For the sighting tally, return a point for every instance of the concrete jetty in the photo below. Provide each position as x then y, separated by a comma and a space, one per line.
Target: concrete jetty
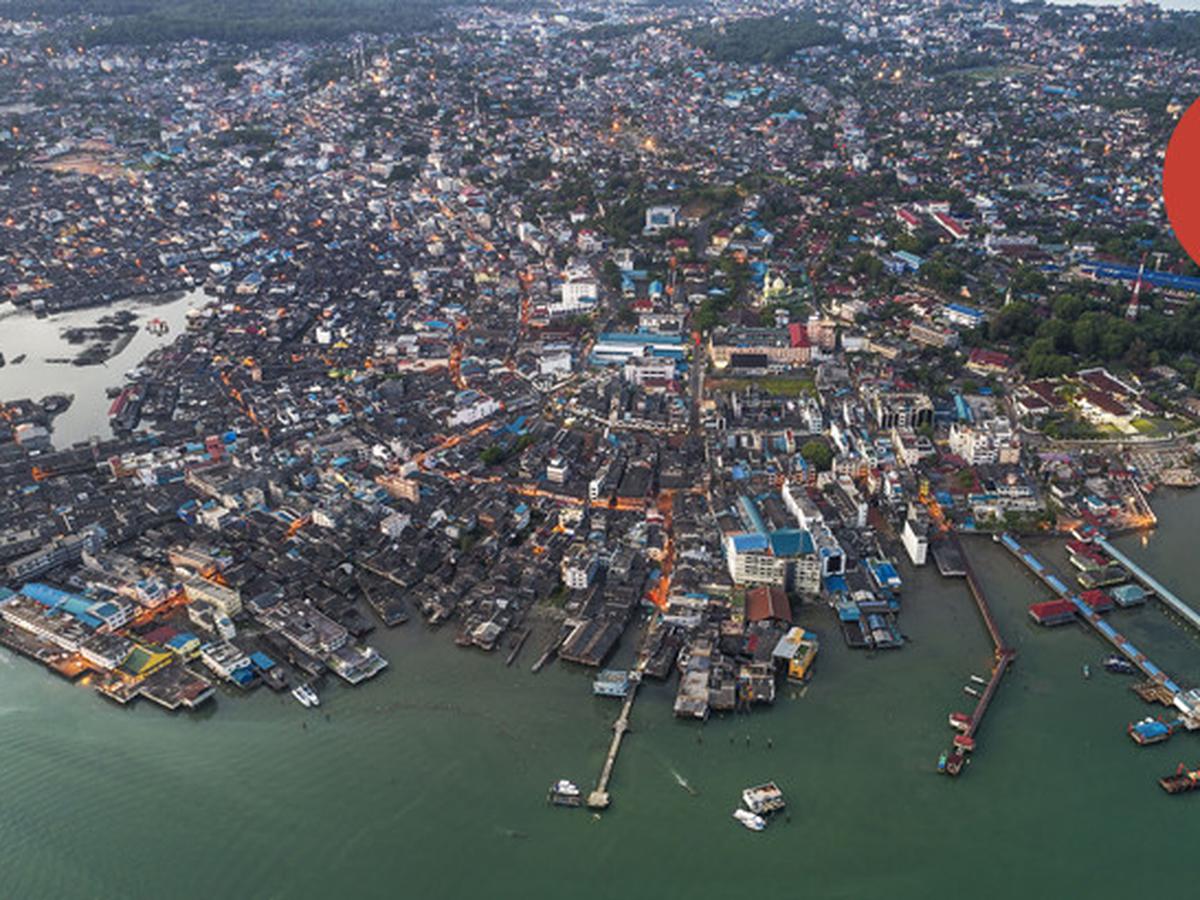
599, 798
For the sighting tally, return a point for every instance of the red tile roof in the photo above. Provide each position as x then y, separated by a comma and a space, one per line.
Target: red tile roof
767, 603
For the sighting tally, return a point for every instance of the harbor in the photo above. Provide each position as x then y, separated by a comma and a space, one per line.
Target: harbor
462, 723
46, 353
1159, 686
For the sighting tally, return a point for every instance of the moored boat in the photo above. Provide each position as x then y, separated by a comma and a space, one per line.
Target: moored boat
763, 799
1150, 731
1181, 781
1119, 665
565, 793
306, 696
750, 820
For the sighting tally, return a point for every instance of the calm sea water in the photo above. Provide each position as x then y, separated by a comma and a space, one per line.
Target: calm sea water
430, 782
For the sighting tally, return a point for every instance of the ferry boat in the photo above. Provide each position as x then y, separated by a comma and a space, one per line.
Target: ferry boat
306, 696
565, 793
763, 798
1182, 781
1118, 665
750, 820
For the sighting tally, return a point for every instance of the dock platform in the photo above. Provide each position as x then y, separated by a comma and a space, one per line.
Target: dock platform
1093, 618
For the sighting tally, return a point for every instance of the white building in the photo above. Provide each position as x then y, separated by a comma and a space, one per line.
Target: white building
641, 370
915, 537
578, 291
986, 443
472, 409
660, 218
579, 567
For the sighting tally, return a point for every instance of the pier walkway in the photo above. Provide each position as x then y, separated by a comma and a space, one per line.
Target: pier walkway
1003, 656
1089, 615
1188, 614
599, 798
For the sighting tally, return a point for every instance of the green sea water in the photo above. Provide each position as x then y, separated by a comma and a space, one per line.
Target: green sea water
431, 781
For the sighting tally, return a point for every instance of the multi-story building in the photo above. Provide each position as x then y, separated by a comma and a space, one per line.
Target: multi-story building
986, 443
777, 346
895, 409
579, 567
915, 538
226, 599
57, 552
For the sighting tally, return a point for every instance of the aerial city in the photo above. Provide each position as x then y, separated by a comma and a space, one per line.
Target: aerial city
718, 387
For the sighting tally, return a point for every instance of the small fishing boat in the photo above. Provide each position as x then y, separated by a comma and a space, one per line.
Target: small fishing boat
750, 820
1118, 665
306, 696
565, 793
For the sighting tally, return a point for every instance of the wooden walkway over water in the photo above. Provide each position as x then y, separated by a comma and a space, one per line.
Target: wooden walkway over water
1002, 657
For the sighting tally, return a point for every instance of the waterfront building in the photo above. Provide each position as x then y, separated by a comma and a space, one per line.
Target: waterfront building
227, 600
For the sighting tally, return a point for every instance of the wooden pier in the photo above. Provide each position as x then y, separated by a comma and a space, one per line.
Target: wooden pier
599, 798
1002, 657
551, 650
512, 655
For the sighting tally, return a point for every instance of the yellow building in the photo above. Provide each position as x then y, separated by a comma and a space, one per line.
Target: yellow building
798, 651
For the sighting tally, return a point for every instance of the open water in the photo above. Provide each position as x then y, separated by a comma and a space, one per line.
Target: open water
431, 781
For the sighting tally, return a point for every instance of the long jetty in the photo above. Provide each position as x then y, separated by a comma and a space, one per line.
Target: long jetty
1188, 614
1002, 657
599, 798
1089, 615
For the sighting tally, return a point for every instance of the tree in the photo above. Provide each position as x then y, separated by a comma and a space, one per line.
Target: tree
1015, 320
818, 453
1088, 333
1069, 307
867, 264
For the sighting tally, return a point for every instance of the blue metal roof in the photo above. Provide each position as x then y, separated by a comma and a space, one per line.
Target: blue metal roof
749, 543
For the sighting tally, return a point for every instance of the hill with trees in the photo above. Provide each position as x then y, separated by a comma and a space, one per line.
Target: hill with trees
767, 39
149, 22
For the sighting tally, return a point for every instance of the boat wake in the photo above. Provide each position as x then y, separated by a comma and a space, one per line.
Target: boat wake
683, 783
